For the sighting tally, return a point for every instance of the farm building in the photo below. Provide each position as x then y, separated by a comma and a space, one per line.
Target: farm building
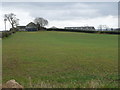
86, 28
117, 29
21, 28
31, 27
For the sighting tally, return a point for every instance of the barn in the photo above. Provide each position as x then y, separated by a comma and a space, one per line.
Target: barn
85, 28
21, 28
31, 27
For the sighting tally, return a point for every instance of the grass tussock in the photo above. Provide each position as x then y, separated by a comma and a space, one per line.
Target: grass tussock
88, 84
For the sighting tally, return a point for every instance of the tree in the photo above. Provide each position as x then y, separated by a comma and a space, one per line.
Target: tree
103, 27
112, 29
40, 22
100, 27
106, 27
12, 19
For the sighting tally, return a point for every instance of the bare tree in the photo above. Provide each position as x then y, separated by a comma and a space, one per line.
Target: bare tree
106, 27
12, 19
100, 27
40, 22
103, 27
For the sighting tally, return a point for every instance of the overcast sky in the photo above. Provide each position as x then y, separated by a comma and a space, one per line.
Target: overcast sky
63, 14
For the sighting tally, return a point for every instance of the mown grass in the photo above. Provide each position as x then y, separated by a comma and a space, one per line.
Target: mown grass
61, 59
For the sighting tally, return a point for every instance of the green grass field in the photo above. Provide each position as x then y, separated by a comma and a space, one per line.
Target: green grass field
61, 59
0, 61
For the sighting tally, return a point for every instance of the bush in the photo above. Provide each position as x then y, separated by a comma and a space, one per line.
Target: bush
7, 33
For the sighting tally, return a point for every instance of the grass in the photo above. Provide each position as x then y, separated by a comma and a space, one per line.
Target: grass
61, 59
0, 61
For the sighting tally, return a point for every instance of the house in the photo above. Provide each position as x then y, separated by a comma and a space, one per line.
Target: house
85, 28
31, 27
21, 28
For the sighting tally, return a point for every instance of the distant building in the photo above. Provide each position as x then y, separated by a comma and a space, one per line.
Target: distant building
21, 28
31, 27
53, 27
117, 29
87, 28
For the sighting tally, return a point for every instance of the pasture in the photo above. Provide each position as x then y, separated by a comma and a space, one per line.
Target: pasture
61, 59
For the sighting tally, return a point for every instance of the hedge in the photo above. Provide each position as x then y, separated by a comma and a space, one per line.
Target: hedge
85, 31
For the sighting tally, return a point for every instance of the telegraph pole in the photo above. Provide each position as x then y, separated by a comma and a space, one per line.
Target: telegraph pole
5, 23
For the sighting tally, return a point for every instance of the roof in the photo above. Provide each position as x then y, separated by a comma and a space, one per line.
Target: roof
31, 25
21, 26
